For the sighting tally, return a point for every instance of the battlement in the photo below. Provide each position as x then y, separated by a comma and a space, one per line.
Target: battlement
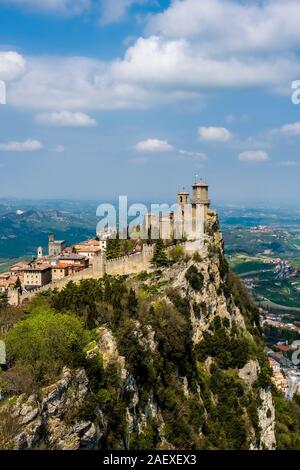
125, 265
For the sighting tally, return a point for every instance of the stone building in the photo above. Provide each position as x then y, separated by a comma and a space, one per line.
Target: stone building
37, 276
55, 247
188, 218
69, 259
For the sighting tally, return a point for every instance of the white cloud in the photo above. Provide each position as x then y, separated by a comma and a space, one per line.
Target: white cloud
153, 145
28, 145
61, 7
181, 64
110, 10
214, 134
291, 129
114, 10
12, 65
80, 83
195, 155
289, 163
190, 48
229, 25
254, 156
65, 119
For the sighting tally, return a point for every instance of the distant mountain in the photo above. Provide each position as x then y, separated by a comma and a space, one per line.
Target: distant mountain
22, 231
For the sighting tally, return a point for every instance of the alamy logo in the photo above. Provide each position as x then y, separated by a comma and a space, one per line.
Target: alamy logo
296, 93
178, 221
2, 92
296, 357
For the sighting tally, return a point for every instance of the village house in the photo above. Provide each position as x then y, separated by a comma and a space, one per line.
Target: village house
91, 248
37, 276
278, 378
60, 271
7, 283
89, 251
72, 259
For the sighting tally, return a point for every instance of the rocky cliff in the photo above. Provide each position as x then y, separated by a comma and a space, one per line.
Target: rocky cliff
182, 365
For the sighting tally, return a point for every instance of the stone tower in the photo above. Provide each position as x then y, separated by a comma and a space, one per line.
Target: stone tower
200, 197
55, 247
40, 252
182, 198
182, 201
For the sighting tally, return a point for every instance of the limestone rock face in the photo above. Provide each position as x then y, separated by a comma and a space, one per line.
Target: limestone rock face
49, 420
211, 295
43, 421
266, 417
249, 373
107, 347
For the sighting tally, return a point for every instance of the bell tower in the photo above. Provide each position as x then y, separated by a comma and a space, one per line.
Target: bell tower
40, 252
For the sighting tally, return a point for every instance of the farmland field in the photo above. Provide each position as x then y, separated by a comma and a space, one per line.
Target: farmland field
255, 243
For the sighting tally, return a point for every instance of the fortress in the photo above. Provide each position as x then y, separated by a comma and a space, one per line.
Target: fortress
189, 221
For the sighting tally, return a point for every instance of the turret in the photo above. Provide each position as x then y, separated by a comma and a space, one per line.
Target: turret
200, 196
182, 198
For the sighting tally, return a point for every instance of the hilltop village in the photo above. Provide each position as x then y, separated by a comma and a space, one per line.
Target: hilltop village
88, 259
62, 261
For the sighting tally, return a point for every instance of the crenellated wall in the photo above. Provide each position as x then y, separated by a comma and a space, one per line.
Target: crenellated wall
126, 265
131, 264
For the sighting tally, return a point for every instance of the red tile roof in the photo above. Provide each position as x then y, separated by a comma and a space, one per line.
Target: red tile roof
282, 347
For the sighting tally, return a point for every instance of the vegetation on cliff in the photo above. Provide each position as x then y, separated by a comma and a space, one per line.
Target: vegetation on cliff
185, 333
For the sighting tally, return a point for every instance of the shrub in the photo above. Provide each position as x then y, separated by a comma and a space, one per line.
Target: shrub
46, 342
195, 278
176, 254
197, 258
17, 380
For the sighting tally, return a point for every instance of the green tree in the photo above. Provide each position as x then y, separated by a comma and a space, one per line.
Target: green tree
45, 342
113, 248
160, 258
18, 285
195, 278
3, 299
132, 302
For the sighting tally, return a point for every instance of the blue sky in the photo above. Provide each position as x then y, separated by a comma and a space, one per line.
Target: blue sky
137, 96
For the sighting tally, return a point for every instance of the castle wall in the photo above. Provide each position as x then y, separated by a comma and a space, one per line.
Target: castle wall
131, 264
126, 265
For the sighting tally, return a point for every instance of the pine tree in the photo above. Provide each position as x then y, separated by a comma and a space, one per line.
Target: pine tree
132, 301
3, 299
113, 248
160, 257
18, 285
